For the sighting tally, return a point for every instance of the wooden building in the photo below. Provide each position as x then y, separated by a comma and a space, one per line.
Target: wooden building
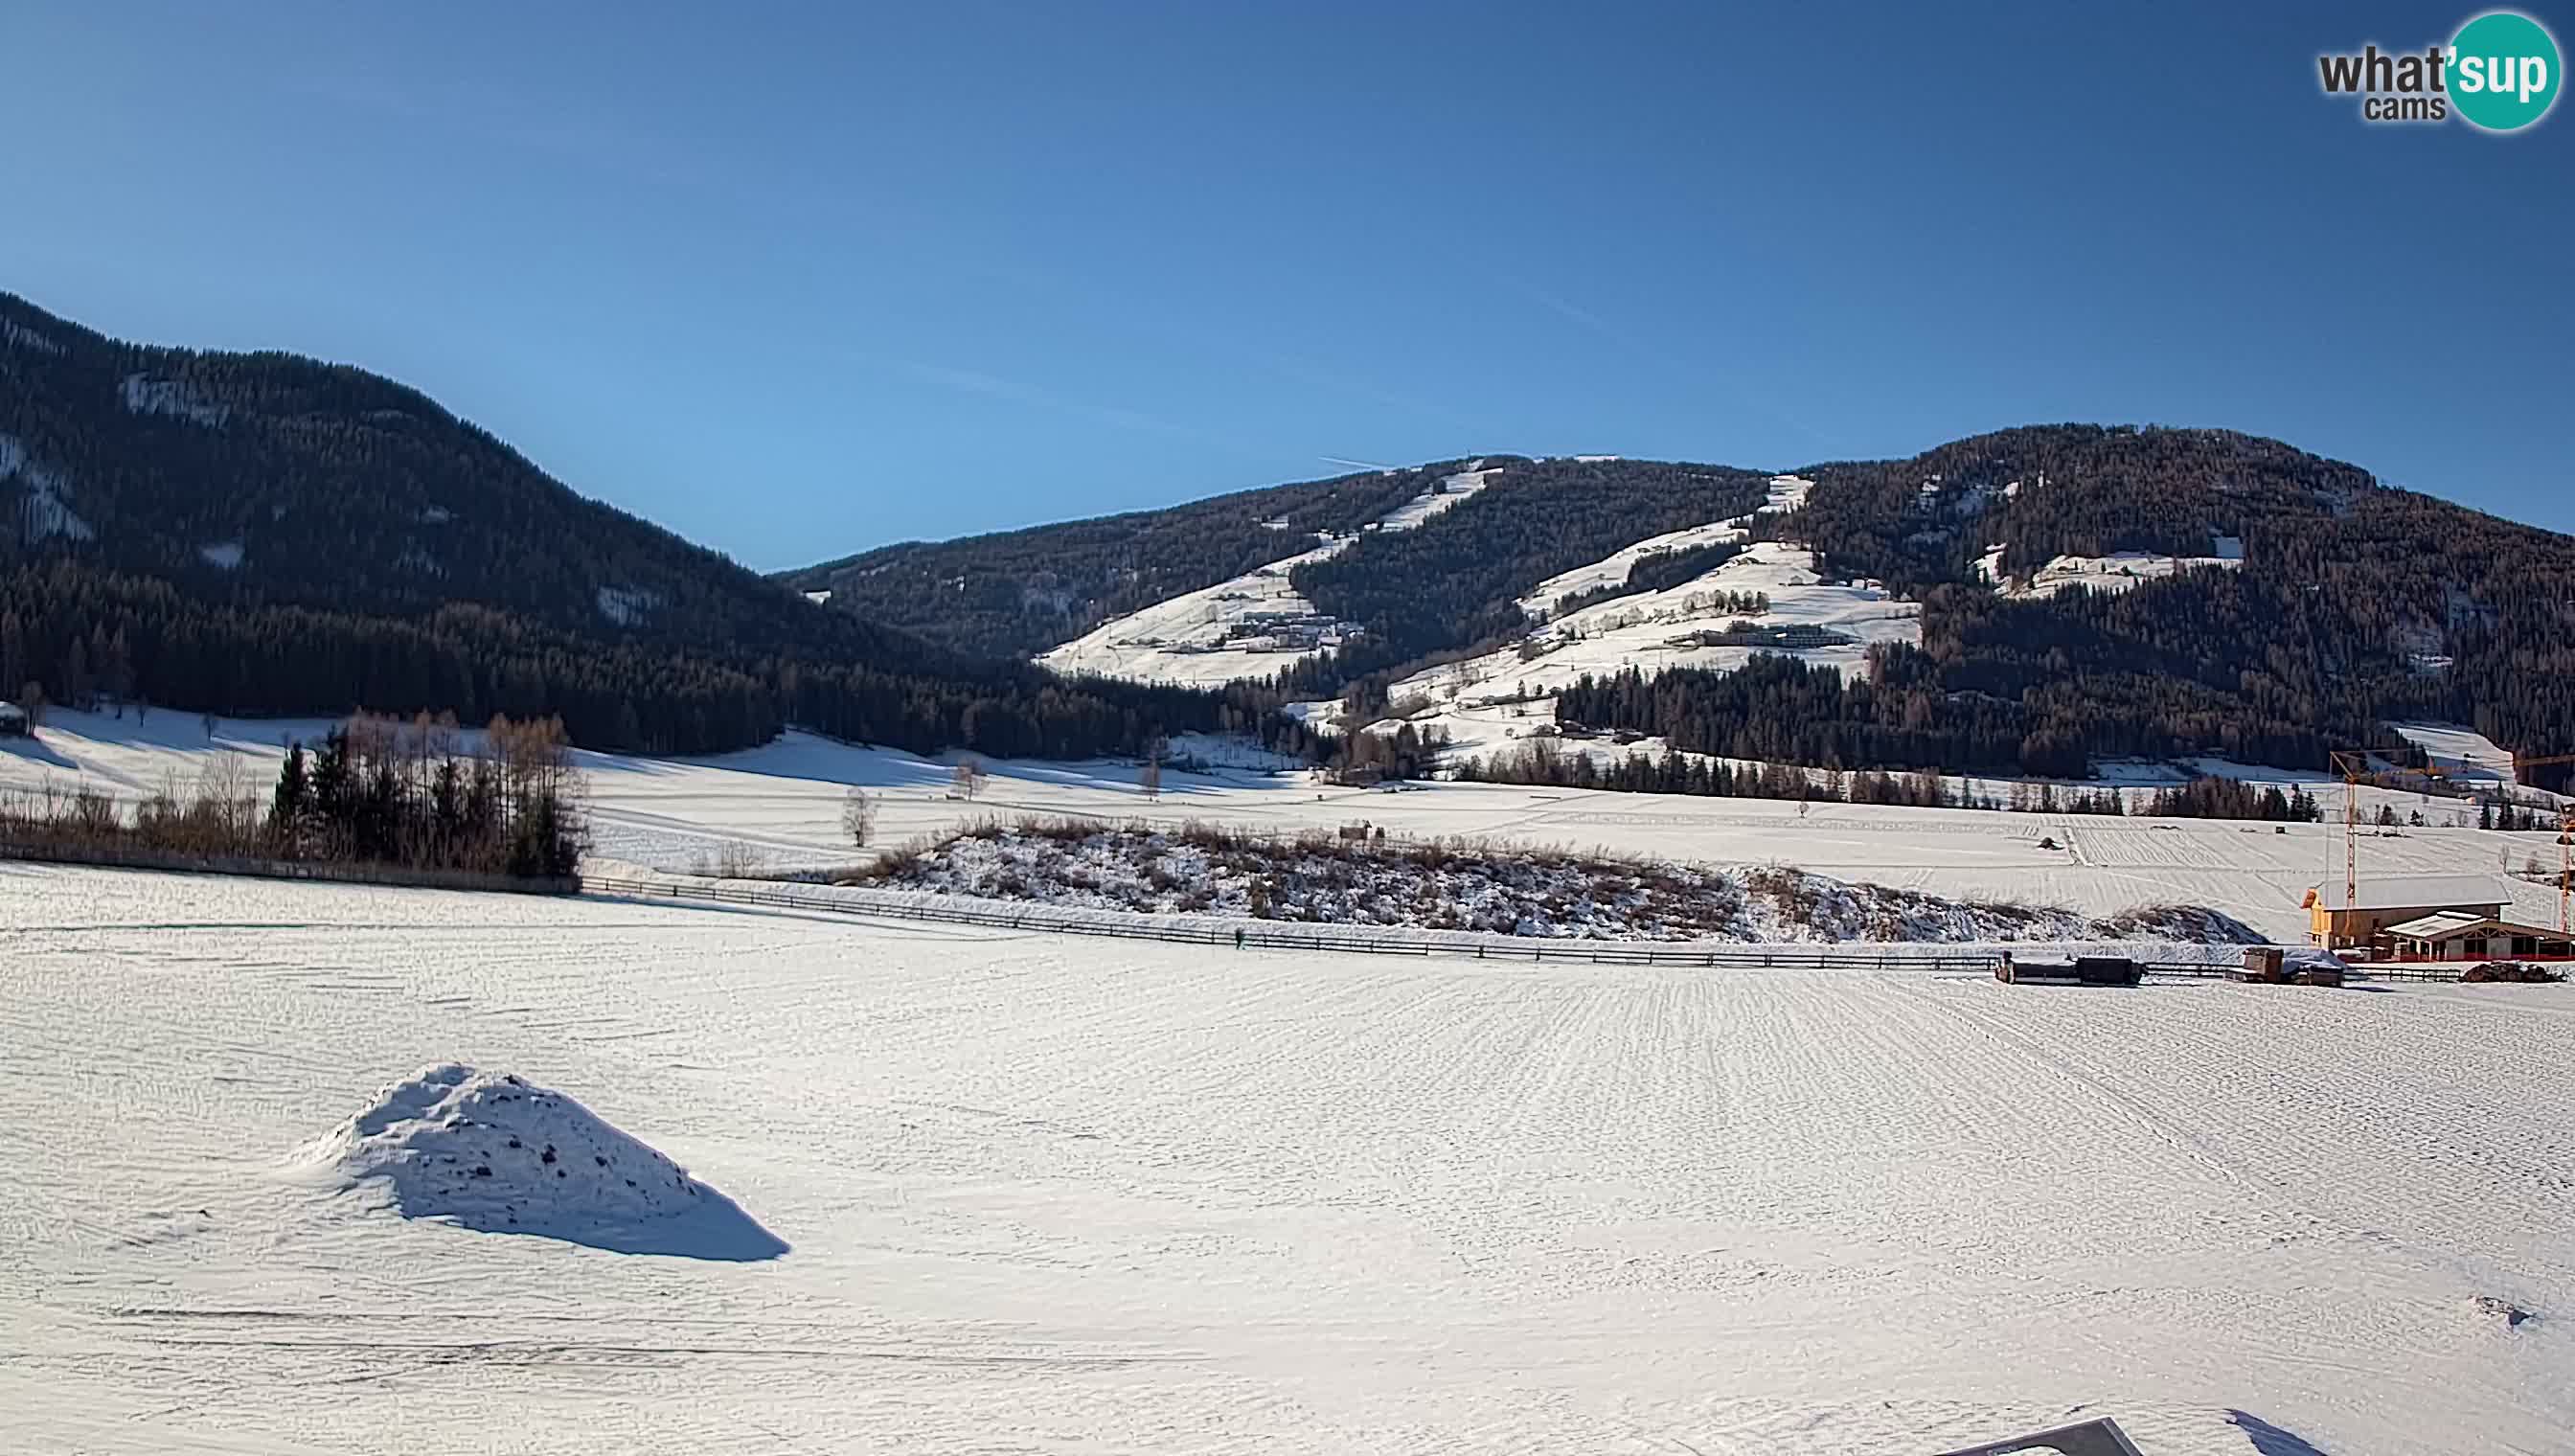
2340, 920
2465, 935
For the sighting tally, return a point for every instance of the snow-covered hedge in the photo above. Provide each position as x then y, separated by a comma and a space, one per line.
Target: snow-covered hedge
1323, 878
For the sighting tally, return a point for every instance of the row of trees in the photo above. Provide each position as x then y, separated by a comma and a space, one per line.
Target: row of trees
378, 790
375, 791
1548, 762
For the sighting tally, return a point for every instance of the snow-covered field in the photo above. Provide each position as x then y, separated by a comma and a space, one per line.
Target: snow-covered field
1040, 1195
781, 805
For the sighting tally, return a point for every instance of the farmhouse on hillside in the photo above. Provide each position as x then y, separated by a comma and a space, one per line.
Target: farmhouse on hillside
2461, 936
2338, 918
13, 721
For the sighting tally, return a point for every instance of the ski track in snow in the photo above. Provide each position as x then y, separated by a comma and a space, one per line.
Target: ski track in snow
1048, 1195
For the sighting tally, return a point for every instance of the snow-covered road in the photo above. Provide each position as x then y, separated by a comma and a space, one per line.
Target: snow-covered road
1051, 1196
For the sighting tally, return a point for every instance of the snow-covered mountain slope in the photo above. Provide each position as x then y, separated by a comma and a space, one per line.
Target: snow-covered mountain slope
1787, 493
2117, 572
1248, 626
1612, 571
1707, 621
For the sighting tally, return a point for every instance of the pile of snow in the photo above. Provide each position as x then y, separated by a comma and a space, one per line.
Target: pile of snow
224, 555
1249, 626
493, 1152
1325, 878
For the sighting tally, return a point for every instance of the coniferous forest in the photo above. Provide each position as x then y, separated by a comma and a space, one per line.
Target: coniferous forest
261, 533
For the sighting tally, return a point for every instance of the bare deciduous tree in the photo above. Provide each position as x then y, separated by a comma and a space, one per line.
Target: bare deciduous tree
857, 817
969, 777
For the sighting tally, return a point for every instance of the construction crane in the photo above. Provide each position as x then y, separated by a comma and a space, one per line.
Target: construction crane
2522, 763
2355, 767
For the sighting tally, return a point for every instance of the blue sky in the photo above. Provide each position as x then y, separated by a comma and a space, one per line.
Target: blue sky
810, 278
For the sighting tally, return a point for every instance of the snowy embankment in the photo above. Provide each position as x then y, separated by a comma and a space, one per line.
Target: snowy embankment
1202, 870
1250, 626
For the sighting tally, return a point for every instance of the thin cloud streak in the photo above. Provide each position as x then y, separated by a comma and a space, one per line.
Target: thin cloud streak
1018, 391
1631, 342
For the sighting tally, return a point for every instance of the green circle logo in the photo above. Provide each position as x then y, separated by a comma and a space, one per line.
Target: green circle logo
2504, 71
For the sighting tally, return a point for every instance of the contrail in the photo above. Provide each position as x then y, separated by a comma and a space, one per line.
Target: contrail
1362, 464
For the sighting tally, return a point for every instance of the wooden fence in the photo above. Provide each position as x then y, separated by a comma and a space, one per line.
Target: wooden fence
1282, 936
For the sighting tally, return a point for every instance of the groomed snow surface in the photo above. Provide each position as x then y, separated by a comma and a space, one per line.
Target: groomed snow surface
1043, 1195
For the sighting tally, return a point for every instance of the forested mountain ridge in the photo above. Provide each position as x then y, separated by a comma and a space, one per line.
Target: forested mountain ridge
268, 533
2345, 604
2087, 591
1017, 593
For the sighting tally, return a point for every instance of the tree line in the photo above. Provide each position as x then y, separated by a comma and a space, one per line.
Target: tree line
373, 792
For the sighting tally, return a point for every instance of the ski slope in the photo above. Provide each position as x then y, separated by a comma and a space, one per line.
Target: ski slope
1787, 493
1810, 618
1048, 1195
1249, 626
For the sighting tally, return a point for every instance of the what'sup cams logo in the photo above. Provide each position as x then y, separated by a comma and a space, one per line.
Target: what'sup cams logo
2500, 73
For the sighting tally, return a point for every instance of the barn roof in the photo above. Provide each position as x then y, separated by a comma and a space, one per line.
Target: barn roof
2414, 892
2446, 923
2440, 924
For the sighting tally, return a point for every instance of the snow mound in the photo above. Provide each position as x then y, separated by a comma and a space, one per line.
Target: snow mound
493, 1152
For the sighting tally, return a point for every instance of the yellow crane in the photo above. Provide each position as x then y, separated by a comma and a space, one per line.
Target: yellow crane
2354, 766
2565, 836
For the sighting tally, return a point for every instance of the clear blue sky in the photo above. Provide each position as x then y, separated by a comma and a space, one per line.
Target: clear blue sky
795, 280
